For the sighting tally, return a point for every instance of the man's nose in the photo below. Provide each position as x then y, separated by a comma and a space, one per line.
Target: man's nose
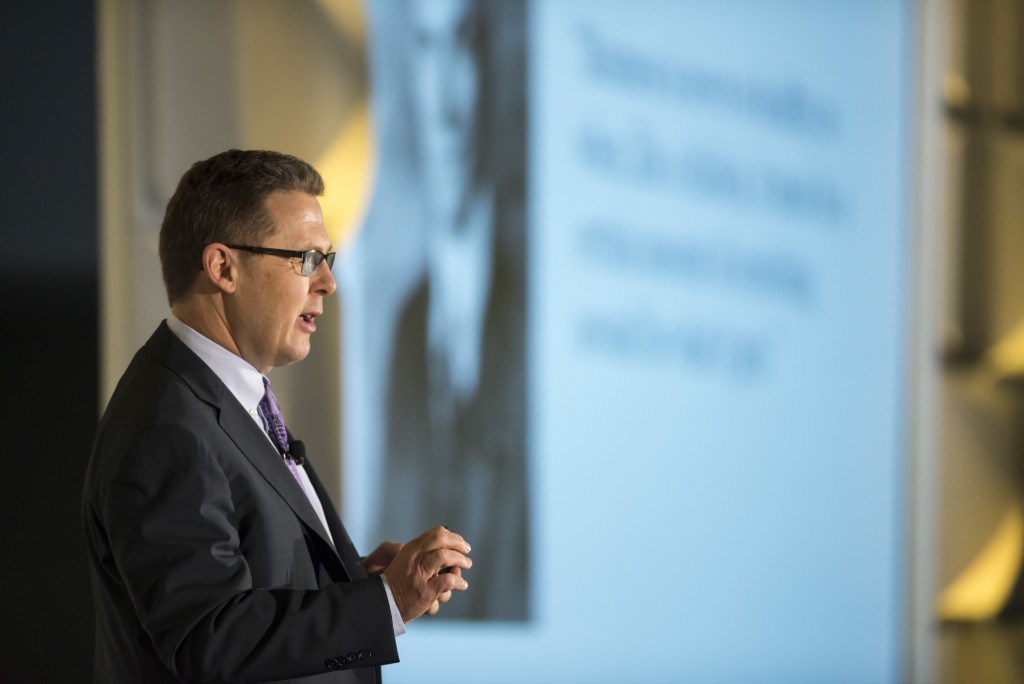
323, 282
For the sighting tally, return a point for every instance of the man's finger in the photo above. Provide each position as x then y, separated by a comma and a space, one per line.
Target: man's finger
441, 537
448, 583
444, 561
446, 558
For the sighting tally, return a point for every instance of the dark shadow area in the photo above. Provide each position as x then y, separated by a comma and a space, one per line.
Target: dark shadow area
50, 410
48, 286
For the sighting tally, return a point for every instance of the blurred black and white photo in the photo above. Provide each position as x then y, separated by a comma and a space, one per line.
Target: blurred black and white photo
434, 324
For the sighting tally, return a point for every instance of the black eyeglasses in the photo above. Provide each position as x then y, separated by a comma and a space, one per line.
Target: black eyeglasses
311, 258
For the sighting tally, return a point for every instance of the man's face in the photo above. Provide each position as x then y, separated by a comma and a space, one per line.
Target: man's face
273, 312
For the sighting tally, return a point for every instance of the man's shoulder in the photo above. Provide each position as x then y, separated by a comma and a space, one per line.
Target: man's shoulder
165, 384
165, 365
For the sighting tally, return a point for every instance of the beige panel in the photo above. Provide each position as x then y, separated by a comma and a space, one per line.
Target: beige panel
982, 451
191, 106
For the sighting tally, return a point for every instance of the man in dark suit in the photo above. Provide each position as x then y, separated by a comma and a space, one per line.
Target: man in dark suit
216, 554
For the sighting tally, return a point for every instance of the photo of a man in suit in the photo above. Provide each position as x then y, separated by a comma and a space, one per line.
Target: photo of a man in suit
216, 554
443, 303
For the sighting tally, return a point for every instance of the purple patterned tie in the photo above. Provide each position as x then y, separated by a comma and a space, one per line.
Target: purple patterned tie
273, 421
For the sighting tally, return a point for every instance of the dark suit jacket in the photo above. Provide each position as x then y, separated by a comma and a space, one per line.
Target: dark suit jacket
208, 562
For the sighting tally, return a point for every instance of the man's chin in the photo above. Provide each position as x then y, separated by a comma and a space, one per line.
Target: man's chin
292, 355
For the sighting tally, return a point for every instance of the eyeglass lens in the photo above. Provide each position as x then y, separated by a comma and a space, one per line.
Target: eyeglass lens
312, 259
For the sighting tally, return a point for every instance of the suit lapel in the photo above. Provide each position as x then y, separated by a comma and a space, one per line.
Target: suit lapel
255, 446
342, 543
238, 425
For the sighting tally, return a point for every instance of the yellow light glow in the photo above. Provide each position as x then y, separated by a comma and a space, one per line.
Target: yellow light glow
1006, 358
346, 166
981, 590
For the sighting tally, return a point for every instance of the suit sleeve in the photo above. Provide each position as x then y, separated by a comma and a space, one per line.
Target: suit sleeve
174, 535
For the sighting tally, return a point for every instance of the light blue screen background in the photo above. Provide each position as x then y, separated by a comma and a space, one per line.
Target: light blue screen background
718, 245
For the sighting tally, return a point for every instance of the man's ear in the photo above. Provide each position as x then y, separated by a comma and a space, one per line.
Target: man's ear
220, 267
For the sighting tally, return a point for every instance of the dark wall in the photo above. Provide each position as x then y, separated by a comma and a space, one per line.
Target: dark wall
48, 286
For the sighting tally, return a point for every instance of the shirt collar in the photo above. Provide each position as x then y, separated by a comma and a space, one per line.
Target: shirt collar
238, 375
